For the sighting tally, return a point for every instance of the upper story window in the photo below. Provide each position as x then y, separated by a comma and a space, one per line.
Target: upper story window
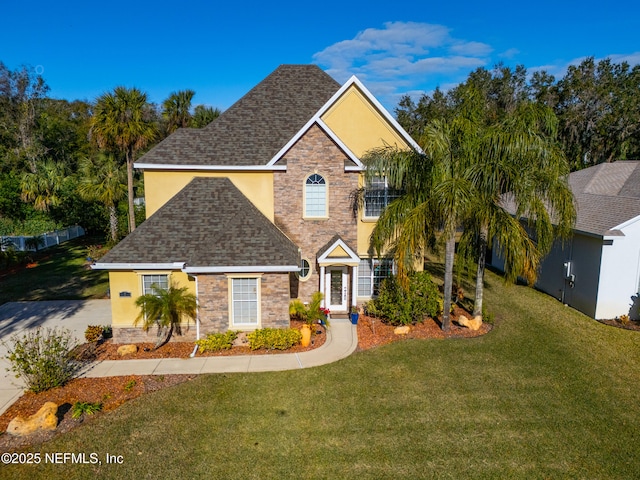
315, 196
377, 196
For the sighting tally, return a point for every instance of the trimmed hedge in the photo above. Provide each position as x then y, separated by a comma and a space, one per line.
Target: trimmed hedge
274, 338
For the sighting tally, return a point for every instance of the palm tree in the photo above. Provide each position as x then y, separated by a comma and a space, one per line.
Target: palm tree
166, 309
44, 186
520, 166
462, 179
203, 116
102, 179
119, 124
176, 110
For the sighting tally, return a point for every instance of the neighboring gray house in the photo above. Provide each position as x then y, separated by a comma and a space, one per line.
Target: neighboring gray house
597, 271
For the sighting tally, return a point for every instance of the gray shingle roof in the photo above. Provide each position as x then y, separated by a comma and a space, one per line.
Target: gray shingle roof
607, 195
256, 127
208, 223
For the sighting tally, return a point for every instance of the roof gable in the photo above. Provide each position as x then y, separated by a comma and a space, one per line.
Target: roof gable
320, 117
211, 227
337, 252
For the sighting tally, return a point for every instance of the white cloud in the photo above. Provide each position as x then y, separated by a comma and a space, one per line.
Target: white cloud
403, 57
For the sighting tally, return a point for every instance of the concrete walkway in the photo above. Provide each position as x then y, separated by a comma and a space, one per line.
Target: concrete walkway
16, 317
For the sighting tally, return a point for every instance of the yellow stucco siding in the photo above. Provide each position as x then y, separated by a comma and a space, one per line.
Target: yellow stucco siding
123, 308
359, 124
161, 185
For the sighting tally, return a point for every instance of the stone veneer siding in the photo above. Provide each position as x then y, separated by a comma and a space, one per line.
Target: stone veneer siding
315, 152
213, 298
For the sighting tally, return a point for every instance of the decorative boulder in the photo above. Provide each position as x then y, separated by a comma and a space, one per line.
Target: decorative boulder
401, 330
43, 419
474, 324
127, 350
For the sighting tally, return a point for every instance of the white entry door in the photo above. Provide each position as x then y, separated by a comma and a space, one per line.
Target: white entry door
336, 287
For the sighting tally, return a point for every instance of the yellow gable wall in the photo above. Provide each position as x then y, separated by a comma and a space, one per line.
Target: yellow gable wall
123, 309
161, 185
361, 127
359, 124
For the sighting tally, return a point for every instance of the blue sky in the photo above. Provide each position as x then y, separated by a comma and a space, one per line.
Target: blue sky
222, 49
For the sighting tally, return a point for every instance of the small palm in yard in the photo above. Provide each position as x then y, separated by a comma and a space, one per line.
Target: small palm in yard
166, 309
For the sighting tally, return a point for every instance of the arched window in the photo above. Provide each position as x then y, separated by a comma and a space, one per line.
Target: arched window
315, 196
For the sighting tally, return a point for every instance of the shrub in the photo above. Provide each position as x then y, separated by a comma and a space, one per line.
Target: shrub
297, 310
42, 358
310, 314
80, 408
400, 306
214, 342
107, 332
93, 333
274, 338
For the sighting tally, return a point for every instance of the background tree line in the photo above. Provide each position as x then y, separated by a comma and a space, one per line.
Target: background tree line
597, 105
65, 162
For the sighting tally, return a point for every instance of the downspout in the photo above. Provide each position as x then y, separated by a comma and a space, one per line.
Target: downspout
195, 348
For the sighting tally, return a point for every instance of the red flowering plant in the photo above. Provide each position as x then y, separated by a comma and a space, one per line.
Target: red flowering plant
325, 316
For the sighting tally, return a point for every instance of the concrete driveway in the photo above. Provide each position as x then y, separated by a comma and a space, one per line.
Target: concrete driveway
18, 317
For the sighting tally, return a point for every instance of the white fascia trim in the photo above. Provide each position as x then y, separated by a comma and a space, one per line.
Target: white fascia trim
352, 156
327, 260
249, 269
216, 168
138, 266
350, 262
384, 112
317, 118
627, 223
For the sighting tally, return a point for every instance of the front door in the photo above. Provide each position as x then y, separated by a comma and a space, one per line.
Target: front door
337, 284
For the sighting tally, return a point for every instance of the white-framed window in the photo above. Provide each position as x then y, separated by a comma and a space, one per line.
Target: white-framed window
371, 273
377, 195
305, 269
245, 302
158, 280
315, 196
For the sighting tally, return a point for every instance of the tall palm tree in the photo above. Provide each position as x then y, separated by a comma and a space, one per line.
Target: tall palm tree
436, 197
462, 179
43, 187
119, 124
102, 179
176, 110
519, 169
166, 309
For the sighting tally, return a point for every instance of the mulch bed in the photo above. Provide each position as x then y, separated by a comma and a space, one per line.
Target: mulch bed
114, 391
628, 325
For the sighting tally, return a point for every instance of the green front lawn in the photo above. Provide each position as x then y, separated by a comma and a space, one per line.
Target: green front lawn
58, 273
549, 393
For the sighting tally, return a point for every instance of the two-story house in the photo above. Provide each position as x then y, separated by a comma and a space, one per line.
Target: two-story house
257, 208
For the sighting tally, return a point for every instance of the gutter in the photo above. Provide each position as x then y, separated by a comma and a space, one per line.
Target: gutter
195, 348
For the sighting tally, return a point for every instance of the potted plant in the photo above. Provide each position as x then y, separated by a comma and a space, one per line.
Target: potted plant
354, 315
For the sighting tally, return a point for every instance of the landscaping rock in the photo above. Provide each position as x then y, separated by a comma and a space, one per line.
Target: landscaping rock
474, 324
401, 330
127, 350
43, 419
